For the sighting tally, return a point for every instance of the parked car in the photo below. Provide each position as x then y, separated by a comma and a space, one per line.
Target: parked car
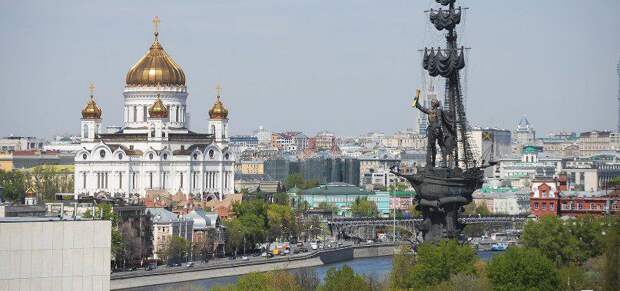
245, 258
314, 246
189, 264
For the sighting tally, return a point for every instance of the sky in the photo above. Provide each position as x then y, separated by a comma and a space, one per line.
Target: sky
348, 66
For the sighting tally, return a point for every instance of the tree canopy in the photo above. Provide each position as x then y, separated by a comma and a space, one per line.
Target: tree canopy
564, 242
432, 264
362, 207
343, 279
522, 269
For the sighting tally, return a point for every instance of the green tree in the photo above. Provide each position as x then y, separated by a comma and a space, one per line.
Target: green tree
343, 279
294, 180
281, 221
402, 264
281, 198
564, 242
176, 250
362, 207
14, 184
574, 278
266, 281
307, 279
522, 269
432, 265
611, 270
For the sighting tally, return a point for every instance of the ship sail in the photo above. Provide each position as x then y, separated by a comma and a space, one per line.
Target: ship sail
447, 62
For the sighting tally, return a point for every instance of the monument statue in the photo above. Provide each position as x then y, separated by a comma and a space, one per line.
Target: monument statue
442, 191
439, 131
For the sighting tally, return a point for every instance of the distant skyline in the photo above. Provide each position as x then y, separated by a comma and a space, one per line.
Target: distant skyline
349, 67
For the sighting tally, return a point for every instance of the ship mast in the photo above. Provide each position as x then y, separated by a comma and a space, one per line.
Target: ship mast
447, 63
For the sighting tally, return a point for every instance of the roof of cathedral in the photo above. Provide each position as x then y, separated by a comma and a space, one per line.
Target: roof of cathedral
190, 149
91, 110
129, 152
156, 68
218, 111
158, 109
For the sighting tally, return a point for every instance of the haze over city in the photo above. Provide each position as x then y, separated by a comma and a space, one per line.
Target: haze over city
346, 66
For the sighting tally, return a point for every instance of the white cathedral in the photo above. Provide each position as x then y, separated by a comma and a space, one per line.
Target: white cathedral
154, 150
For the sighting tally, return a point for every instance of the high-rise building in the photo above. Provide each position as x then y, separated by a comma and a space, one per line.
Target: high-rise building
425, 101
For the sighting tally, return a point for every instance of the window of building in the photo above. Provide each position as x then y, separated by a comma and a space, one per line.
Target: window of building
544, 206
535, 205
580, 205
551, 206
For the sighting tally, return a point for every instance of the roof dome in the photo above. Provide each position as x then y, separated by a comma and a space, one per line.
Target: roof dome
218, 111
158, 109
92, 110
156, 68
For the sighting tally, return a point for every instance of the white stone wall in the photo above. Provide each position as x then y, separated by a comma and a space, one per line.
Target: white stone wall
55, 255
213, 173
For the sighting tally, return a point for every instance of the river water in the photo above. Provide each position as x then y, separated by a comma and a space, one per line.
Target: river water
377, 267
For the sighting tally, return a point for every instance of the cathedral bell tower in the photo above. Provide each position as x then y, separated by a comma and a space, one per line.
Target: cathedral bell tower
158, 120
91, 118
218, 120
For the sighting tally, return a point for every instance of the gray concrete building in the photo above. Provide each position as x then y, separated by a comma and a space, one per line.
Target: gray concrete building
51, 254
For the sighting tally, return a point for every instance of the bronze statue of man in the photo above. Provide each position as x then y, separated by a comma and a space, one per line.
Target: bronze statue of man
438, 120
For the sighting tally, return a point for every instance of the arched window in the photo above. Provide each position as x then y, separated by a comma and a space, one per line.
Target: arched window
85, 131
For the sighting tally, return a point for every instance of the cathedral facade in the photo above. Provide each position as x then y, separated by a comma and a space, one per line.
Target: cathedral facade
154, 150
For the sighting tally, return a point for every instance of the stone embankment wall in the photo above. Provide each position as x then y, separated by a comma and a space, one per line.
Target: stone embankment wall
158, 277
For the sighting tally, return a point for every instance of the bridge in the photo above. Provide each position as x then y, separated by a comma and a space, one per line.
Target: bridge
366, 228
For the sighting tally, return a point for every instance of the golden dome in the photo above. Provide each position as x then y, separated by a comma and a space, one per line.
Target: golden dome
218, 111
156, 68
158, 109
92, 110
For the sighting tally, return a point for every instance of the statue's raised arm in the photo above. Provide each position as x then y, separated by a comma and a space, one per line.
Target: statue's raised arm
417, 104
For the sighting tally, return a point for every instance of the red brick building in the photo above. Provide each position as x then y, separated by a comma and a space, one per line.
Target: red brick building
544, 197
594, 203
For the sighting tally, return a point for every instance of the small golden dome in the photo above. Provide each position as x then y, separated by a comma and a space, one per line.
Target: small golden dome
218, 111
92, 110
156, 68
158, 109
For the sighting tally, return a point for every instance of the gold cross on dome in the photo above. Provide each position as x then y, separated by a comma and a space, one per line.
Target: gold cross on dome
156, 25
91, 89
218, 88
